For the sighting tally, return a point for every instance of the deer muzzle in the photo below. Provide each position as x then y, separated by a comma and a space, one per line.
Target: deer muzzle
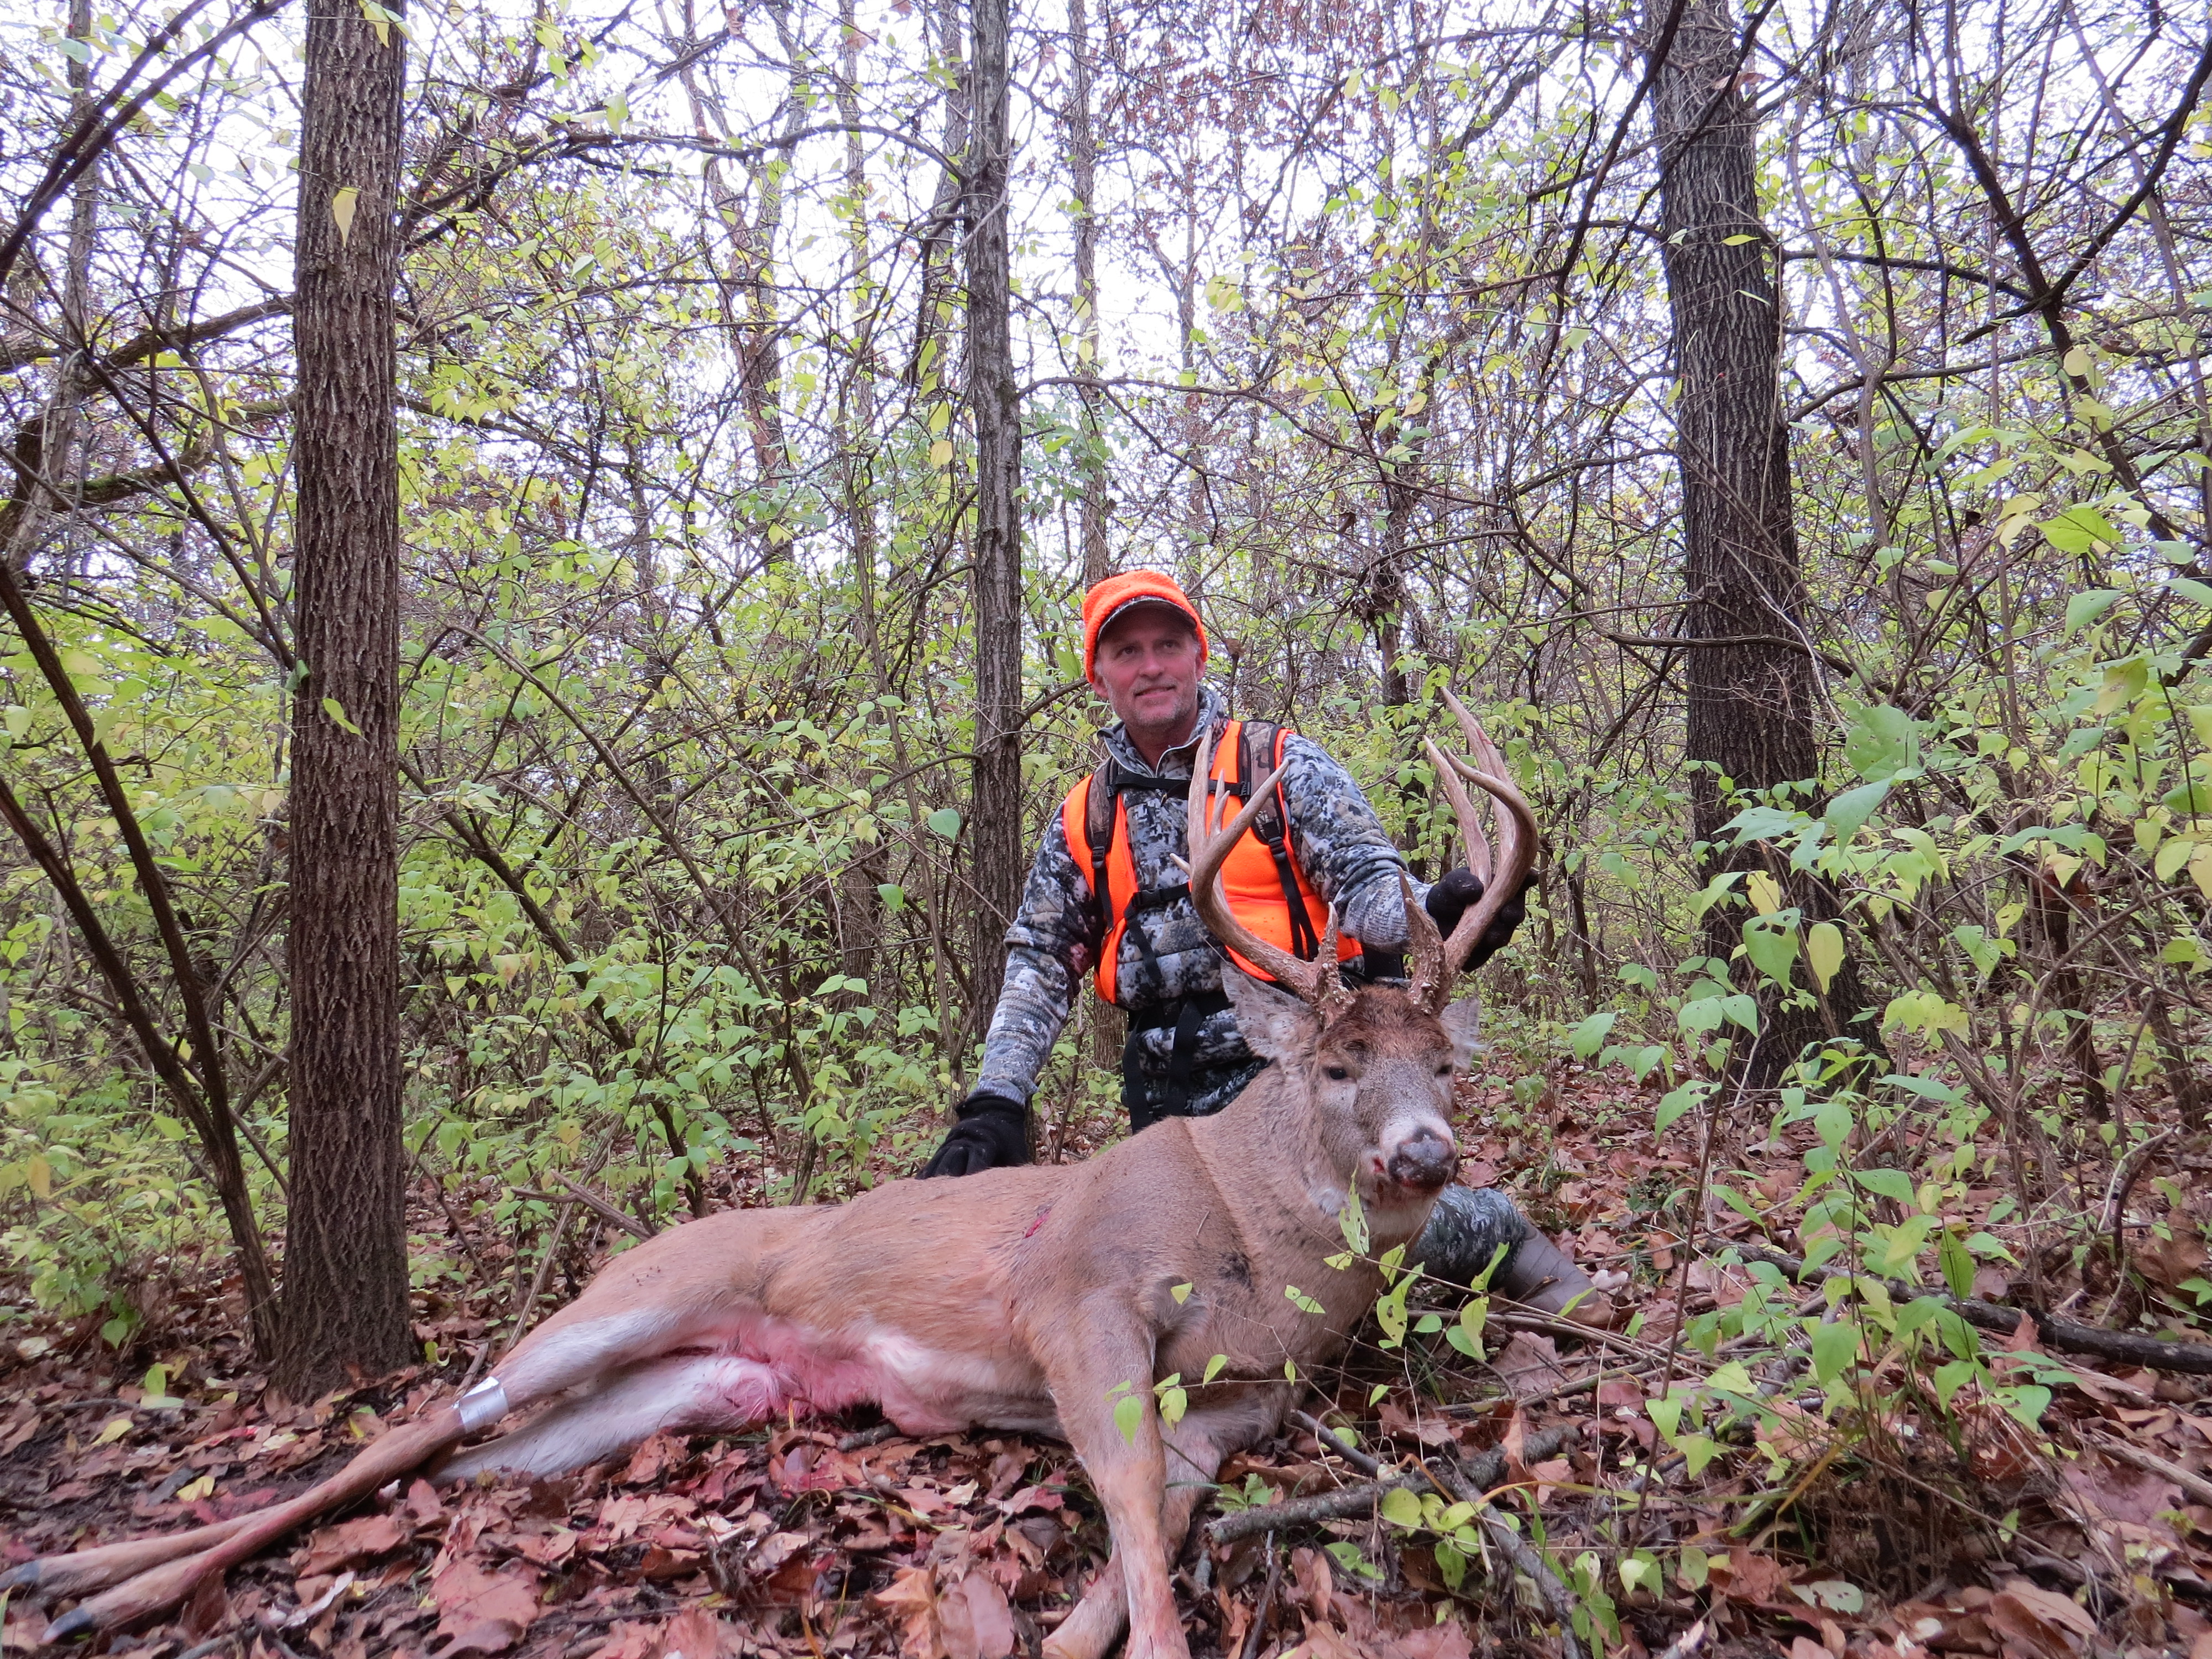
1423, 1163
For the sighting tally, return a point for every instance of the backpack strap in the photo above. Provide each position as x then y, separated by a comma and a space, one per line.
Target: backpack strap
1099, 818
1260, 749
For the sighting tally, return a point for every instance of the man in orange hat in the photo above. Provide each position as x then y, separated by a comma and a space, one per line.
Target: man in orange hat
1106, 893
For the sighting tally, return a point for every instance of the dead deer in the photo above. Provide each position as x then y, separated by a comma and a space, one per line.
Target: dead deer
1025, 1299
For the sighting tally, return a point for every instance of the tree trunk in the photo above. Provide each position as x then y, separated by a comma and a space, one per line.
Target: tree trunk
345, 1265
994, 829
1752, 707
1082, 175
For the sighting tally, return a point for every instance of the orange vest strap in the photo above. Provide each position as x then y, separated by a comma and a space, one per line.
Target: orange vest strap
1266, 889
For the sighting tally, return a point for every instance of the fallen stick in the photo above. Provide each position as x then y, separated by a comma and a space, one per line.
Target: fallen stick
1478, 1474
2193, 1484
2002, 1320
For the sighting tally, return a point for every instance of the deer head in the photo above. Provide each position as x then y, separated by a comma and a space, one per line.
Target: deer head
1376, 1063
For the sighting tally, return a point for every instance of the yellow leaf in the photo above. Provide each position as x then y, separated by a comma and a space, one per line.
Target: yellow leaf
114, 1429
2200, 870
1823, 951
940, 453
41, 1175
343, 200
2176, 852
1766, 892
203, 1487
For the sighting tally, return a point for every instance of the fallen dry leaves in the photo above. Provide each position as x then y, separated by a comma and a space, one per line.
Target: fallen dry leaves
798, 1540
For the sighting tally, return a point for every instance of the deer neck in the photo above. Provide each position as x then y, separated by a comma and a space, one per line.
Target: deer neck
1283, 1160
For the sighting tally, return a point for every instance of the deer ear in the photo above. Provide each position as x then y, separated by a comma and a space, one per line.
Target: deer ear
1462, 1024
1275, 1024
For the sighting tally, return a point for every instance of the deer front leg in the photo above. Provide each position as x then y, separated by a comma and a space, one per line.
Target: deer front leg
1099, 1349
1194, 1448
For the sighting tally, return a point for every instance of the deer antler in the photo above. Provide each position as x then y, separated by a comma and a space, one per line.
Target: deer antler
1316, 982
1437, 963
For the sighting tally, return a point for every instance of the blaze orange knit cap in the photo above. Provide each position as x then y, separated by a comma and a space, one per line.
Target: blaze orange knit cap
1109, 598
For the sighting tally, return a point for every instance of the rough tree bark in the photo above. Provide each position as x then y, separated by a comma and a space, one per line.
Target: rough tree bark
1752, 707
994, 831
346, 1266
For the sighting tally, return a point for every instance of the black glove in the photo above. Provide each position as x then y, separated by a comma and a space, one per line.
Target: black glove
1448, 900
993, 1132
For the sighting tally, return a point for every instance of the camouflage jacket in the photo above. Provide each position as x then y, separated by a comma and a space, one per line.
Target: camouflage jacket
1334, 836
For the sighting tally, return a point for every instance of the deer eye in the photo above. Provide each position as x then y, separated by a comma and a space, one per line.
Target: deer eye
1444, 1070
1335, 1073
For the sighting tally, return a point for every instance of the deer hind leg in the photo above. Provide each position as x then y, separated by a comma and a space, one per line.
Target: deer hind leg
699, 1392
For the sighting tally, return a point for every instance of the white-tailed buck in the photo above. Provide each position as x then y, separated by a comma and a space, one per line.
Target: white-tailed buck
1026, 1299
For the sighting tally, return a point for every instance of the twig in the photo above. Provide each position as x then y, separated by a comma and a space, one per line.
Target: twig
2002, 1319
1529, 1319
1476, 1474
1329, 1438
1686, 1645
1338, 1505
2113, 1220
1558, 1601
874, 1437
1267, 1605
2198, 1489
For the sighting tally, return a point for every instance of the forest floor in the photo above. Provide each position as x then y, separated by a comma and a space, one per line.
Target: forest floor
1874, 1533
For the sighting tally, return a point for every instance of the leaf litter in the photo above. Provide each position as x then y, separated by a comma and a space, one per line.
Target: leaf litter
1913, 1532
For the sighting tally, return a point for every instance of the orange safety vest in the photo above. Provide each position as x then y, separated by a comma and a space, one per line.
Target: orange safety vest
1266, 889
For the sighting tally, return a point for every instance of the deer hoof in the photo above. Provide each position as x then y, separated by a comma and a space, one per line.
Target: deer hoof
80, 1622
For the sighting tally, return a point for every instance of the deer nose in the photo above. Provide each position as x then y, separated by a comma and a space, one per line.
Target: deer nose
1424, 1163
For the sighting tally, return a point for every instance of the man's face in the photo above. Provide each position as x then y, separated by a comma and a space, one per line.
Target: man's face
1146, 666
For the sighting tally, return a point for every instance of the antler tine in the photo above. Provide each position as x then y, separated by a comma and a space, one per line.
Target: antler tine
1209, 850
1463, 813
1425, 946
1517, 843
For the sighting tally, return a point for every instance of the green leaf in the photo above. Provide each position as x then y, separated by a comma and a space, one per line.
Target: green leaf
1949, 1379
1303, 1302
945, 821
1852, 809
2080, 530
1174, 1402
1129, 1416
1179, 1292
1348, 1557
1834, 1347
1698, 1449
1213, 1367
1590, 1037
2085, 607
1672, 1105
1773, 950
336, 710
1958, 1263
1882, 743
1401, 1507
1473, 1317
1889, 1183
